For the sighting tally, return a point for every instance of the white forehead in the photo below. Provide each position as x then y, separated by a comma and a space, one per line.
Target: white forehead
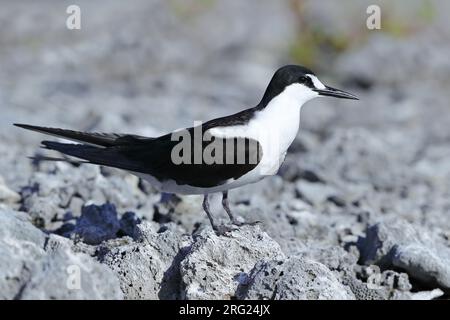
316, 81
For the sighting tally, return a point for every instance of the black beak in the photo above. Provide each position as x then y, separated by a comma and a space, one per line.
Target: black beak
332, 92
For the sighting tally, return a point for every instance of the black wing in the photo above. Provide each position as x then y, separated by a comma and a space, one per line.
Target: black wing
154, 155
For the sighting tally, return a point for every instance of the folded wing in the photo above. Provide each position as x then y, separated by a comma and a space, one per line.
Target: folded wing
153, 156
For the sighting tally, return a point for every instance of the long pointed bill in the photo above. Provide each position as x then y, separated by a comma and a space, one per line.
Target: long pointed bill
332, 92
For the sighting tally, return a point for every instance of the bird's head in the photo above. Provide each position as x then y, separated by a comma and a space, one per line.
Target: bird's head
301, 84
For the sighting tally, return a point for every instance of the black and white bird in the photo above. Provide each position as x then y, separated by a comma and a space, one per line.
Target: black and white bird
262, 135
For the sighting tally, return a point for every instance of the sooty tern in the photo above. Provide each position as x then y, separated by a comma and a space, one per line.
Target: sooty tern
261, 134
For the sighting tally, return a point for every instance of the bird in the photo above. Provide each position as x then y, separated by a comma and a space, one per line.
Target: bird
211, 157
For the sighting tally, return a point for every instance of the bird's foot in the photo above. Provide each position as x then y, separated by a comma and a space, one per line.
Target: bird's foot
238, 223
223, 230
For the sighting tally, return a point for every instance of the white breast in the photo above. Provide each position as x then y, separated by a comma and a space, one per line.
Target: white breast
275, 127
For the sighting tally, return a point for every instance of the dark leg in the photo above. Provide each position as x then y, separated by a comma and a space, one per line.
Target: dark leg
219, 229
226, 206
208, 212
233, 219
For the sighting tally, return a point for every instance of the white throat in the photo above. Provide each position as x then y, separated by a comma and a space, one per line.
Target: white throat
281, 116
276, 125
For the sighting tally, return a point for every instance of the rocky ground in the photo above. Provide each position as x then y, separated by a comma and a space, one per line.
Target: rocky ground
359, 210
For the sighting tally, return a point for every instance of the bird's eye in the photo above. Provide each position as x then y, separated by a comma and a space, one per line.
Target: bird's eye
306, 81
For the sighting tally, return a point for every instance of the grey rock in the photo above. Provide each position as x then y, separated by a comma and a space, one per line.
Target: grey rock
314, 193
368, 282
148, 268
294, 278
97, 223
36, 266
215, 266
74, 275
18, 261
427, 295
16, 225
129, 225
388, 285
389, 279
7, 195
362, 291
44, 211
396, 243
182, 209
16, 168
21, 246
63, 189
333, 257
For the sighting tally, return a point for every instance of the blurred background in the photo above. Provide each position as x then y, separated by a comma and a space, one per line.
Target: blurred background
148, 67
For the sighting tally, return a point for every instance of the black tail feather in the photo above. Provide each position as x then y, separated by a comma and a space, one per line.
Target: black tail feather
92, 138
71, 149
111, 150
95, 155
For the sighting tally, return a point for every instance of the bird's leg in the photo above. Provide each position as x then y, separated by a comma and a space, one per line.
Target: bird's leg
208, 211
233, 219
226, 206
219, 229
